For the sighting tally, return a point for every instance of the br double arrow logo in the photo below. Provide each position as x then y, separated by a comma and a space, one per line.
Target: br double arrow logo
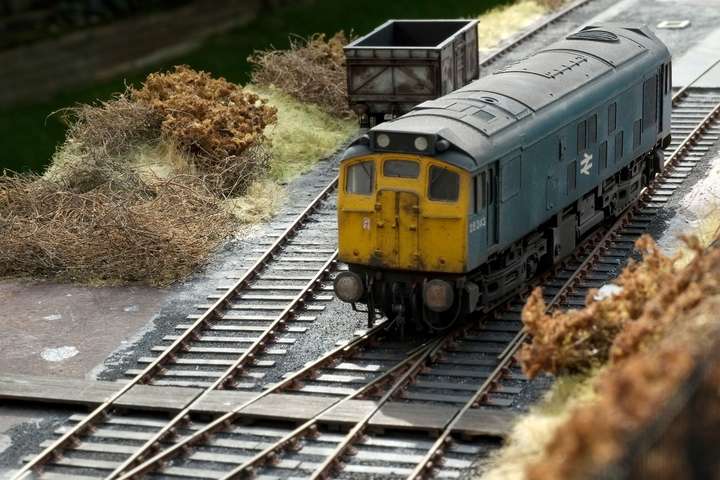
586, 164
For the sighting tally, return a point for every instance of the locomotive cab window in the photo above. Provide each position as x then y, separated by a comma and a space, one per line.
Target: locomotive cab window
401, 169
360, 178
480, 193
443, 184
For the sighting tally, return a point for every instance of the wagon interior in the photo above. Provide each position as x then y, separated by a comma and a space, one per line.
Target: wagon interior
412, 33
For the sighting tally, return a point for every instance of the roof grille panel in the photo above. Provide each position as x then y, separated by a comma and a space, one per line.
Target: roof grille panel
594, 35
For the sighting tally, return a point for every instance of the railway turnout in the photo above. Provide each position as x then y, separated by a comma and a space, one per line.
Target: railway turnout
368, 408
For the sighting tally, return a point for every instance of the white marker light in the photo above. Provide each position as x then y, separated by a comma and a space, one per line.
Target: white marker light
382, 140
421, 143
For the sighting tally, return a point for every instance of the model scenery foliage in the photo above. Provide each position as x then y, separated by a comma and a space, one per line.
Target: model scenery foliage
95, 216
148, 184
654, 334
577, 340
311, 70
219, 124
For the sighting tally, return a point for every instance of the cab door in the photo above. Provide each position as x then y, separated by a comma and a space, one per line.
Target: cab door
478, 227
491, 188
396, 226
483, 229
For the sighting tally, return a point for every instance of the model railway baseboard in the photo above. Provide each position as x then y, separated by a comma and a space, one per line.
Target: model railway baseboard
279, 407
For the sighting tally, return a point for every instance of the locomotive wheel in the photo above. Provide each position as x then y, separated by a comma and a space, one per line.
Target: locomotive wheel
658, 161
531, 267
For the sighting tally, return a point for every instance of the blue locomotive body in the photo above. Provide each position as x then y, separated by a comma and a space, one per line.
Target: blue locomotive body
553, 144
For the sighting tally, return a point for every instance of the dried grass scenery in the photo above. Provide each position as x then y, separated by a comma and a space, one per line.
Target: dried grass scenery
667, 330
148, 184
311, 70
620, 365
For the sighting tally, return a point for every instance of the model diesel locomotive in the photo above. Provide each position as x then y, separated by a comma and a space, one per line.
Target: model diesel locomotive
456, 204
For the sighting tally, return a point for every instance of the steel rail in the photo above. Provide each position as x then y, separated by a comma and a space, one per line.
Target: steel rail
227, 418
526, 35
227, 377
683, 91
346, 443
289, 440
433, 352
434, 455
210, 315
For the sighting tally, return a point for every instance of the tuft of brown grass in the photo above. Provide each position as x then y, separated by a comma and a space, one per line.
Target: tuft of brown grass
98, 140
154, 235
311, 70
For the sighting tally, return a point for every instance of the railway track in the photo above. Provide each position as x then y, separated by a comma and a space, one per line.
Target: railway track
471, 368
492, 59
231, 344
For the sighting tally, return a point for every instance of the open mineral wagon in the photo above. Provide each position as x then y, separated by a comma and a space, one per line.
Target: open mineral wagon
405, 62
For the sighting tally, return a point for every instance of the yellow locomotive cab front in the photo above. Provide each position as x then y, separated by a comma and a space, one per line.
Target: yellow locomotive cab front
403, 212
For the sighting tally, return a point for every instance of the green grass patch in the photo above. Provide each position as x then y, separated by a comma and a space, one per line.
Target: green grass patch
303, 134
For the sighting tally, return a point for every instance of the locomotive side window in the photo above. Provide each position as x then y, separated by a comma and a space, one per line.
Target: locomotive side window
443, 185
612, 116
592, 130
649, 106
401, 169
571, 178
581, 137
360, 178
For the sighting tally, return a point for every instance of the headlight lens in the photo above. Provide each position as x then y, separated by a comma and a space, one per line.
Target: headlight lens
348, 287
421, 144
438, 295
383, 140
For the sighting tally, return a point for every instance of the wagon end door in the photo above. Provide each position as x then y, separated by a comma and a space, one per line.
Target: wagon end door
460, 62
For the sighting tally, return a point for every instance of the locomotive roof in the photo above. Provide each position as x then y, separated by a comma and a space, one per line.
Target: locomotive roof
484, 118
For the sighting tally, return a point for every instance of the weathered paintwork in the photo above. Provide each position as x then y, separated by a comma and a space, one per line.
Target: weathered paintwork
518, 136
398, 227
405, 62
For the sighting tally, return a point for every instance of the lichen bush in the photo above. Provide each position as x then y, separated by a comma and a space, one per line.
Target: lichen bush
596, 434
668, 329
577, 340
219, 123
310, 70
